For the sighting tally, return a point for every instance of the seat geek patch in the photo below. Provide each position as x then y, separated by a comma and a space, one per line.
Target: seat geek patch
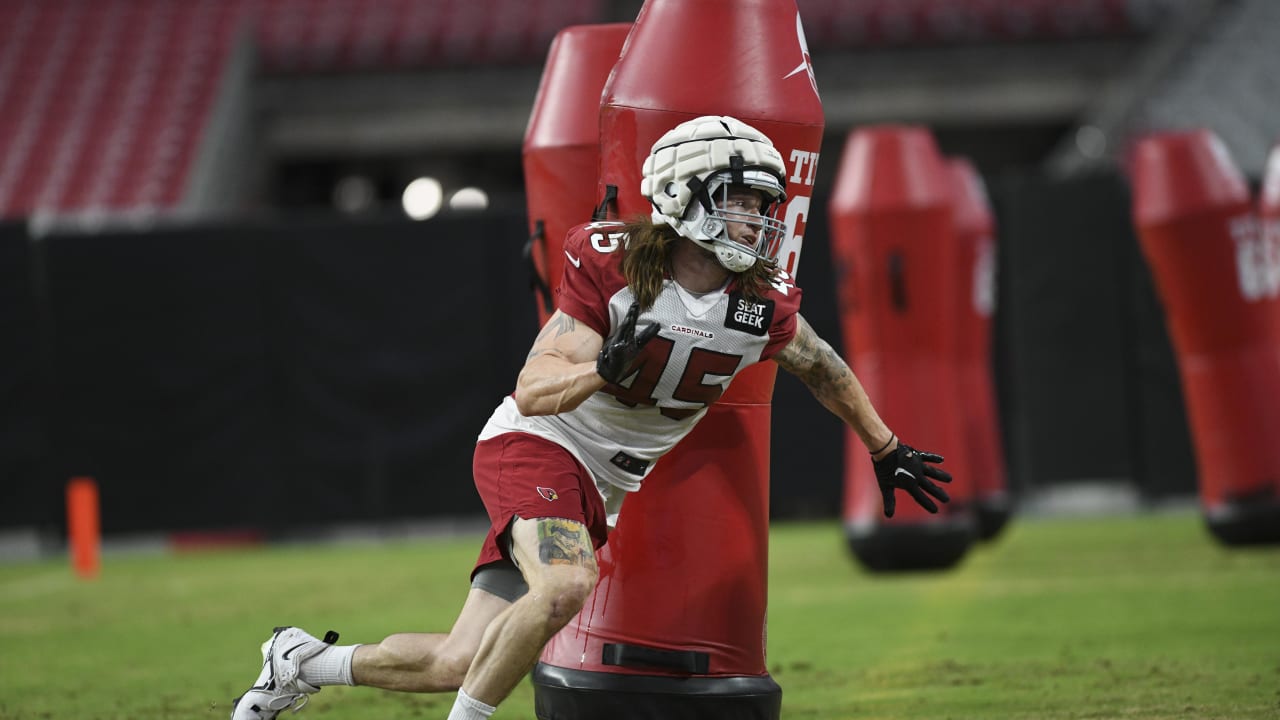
749, 316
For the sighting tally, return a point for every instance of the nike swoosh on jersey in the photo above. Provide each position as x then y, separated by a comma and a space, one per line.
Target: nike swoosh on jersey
576, 262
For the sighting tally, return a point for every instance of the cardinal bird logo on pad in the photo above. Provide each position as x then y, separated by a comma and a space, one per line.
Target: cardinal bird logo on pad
548, 494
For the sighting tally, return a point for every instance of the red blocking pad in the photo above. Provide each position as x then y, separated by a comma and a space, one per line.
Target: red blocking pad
561, 152
973, 308
899, 270
1218, 277
683, 586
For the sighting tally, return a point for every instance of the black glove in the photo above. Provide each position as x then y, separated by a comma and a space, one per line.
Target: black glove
623, 347
905, 468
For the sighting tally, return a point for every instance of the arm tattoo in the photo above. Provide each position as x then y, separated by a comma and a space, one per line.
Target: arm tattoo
564, 542
830, 378
559, 324
816, 364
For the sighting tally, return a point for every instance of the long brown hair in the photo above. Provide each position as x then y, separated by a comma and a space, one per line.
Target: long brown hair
646, 258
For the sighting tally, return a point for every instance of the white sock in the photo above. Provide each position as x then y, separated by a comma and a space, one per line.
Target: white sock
331, 666
469, 708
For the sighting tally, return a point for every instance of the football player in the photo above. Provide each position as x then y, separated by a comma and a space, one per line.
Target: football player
655, 318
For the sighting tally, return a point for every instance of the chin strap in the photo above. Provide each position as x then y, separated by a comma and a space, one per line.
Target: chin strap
608, 207
726, 255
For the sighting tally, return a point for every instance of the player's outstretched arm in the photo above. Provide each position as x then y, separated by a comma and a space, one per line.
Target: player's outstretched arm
898, 466
828, 377
560, 371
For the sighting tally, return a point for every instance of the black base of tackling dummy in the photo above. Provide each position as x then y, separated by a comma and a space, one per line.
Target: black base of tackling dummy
992, 516
563, 694
934, 545
1253, 522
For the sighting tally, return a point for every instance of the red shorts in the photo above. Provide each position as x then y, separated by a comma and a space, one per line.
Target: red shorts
523, 475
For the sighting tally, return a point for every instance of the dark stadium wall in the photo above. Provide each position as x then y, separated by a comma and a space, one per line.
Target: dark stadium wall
291, 373
23, 439
1084, 368
210, 375
1085, 374
807, 454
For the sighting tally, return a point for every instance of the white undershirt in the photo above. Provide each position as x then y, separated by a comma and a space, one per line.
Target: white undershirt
699, 303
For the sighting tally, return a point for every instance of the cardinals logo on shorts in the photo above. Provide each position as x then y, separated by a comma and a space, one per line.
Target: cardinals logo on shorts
548, 494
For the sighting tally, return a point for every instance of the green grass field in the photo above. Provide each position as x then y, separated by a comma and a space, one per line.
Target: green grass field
1137, 617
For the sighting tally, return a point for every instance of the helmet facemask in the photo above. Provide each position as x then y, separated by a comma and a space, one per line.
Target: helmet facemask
707, 220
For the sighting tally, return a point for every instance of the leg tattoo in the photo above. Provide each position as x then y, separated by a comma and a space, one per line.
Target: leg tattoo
563, 542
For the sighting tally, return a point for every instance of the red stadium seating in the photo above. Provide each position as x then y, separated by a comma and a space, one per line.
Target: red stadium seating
103, 104
325, 35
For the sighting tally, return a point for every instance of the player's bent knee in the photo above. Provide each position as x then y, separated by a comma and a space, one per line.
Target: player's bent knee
566, 592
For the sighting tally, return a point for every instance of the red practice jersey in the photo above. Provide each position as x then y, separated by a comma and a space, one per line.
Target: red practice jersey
704, 340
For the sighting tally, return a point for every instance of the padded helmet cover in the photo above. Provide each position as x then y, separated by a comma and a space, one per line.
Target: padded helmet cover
691, 166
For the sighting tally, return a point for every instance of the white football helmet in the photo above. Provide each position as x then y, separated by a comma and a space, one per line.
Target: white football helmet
687, 176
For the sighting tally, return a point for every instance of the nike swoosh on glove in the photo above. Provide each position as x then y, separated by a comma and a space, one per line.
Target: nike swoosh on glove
905, 469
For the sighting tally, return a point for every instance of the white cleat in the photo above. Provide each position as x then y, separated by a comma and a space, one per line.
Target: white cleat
278, 687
